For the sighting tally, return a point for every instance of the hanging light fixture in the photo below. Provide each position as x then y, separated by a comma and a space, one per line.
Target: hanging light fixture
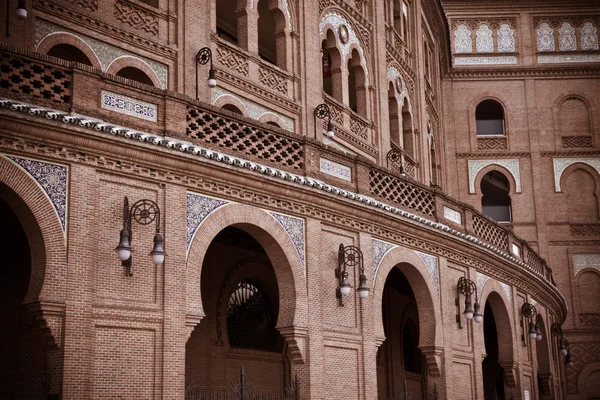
529, 312
144, 212
350, 257
21, 12
467, 287
204, 56
538, 332
322, 111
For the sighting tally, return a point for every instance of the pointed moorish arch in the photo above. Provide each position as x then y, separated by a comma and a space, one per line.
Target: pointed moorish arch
505, 325
292, 321
46, 294
426, 296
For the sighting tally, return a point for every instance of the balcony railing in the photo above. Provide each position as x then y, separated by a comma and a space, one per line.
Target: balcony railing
45, 81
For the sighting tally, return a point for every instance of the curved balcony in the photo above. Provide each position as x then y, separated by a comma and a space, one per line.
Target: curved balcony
58, 92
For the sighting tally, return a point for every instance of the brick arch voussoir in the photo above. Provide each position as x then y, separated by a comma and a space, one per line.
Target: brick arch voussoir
270, 117
293, 306
505, 324
228, 99
130, 61
564, 177
54, 39
430, 315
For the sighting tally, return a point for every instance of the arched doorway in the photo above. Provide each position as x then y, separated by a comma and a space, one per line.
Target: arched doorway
493, 374
240, 296
22, 346
399, 360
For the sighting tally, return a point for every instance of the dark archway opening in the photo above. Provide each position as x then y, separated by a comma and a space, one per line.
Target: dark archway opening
227, 22
399, 360
135, 74
493, 374
489, 117
495, 200
232, 108
69, 52
22, 347
240, 296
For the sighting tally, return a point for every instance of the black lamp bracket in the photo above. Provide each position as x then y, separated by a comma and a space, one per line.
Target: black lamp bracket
466, 287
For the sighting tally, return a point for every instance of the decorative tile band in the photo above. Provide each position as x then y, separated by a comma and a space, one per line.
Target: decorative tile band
254, 110
485, 60
512, 165
52, 178
334, 169
205, 155
452, 215
295, 229
106, 53
128, 106
431, 262
574, 58
380, 249
560, 164
198, 207
507, 290
516, 250
589, 260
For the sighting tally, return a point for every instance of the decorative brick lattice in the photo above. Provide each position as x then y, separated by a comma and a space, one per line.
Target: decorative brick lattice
401, 192
492, 143
232, 60
409, 167
224, 133
569, 142
489, 233
273, 80
585, 229
136, 18
583, 354
33, 79
589, 320
337, 113
359, 128
535, 262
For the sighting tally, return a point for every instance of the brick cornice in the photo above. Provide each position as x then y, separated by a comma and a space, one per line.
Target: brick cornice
222, 176
519, 73
492, 155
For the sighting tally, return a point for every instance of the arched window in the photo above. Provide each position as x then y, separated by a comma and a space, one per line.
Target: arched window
433, 161
397, 16
271, 34
135, 74
496, 202
574, 118
582, 199
357, 91
232, 108
69, 53
250, 321
407, 129
393, 114
589, 283
405, 21
332, 72
227, 24
489, 116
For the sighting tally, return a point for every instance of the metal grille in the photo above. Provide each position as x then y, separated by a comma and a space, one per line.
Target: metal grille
250, 321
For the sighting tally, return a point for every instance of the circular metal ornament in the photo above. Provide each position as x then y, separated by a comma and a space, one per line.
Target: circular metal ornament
144, 212
343, 32
394, 156
351, 256
322, 111
204, 56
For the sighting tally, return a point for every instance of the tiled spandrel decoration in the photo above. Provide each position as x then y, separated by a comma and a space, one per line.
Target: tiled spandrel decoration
198, 207
462, 40
484, 39
431, 262
589, 37
545, 38
295, 230
52, 179
379, 250
506, 39
566, 38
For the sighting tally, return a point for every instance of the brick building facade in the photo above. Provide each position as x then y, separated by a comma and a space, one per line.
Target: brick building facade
463, 167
